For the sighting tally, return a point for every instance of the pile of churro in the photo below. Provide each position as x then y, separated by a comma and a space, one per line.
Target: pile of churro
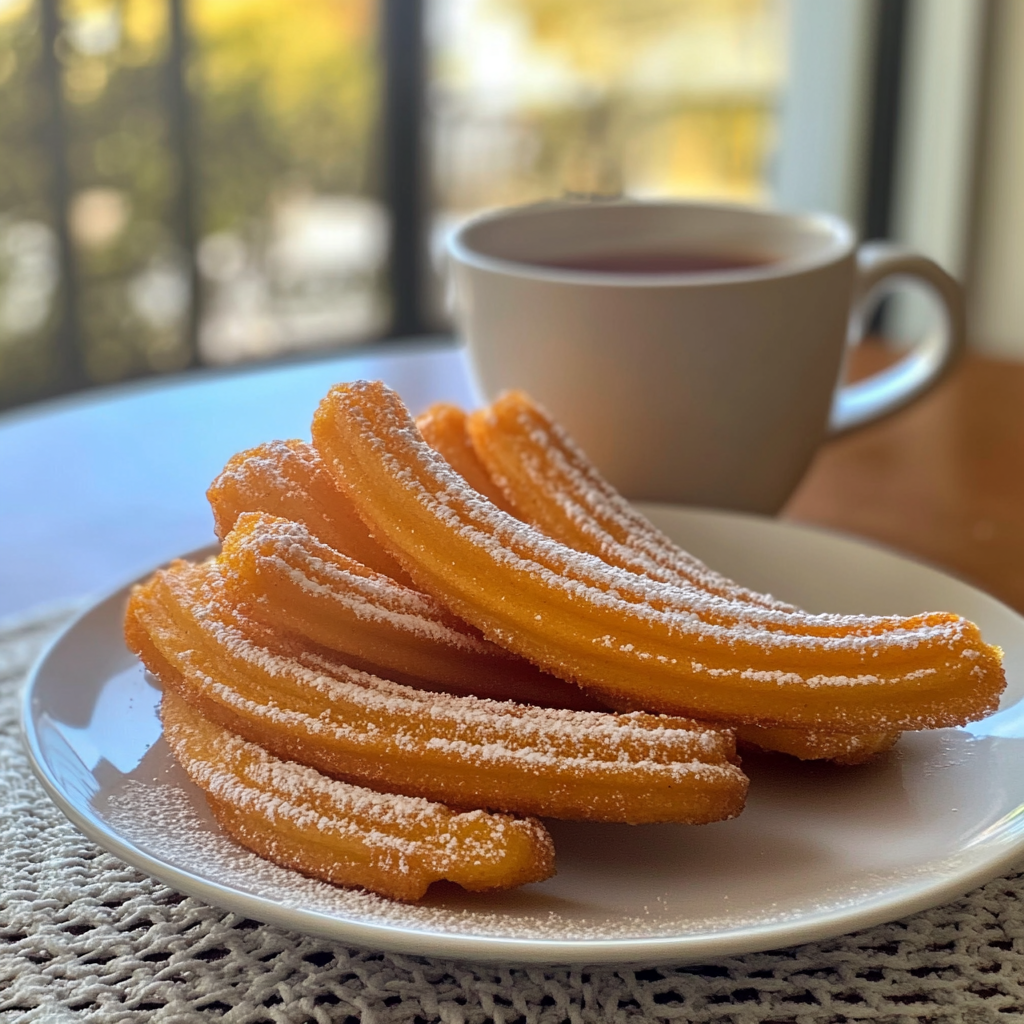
423, 636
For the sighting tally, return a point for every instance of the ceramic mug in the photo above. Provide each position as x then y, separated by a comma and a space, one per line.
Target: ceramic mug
694, 350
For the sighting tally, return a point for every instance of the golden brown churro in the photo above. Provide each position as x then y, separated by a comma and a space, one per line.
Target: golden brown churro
816, 745
444, 428
292, 582
393, 845
288, 479
463, 751
627, 638
549, 482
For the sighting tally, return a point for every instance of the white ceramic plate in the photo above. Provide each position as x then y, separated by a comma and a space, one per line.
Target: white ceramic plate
819, 850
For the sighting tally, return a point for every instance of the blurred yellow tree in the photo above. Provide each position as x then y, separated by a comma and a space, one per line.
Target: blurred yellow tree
629, 74
287, 97
602, 39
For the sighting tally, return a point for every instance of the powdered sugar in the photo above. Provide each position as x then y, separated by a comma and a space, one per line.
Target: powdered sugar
515, 437
442, 493
367, 436
279, 548
634, 767
249, 779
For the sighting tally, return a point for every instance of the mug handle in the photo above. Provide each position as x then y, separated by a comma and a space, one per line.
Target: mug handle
855, 405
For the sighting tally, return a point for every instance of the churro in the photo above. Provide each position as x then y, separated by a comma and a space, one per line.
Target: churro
393, 845
550, 482
301, 705
288, 479
294, 583
817, 744
444, 427
631, 640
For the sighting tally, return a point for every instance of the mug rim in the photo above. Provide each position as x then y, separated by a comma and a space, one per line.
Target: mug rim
839, 242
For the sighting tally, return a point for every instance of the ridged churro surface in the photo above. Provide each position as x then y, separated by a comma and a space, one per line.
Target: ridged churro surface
444, 427
630, 639
463, 751
393, 845
294, 583
288, 479
548, 481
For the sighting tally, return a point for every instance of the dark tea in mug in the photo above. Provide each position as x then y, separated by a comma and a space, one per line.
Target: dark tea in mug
656, 261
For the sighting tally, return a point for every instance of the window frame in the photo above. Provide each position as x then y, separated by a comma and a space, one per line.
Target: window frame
840, 144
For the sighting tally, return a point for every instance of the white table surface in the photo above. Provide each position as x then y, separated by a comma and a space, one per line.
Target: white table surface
99, 487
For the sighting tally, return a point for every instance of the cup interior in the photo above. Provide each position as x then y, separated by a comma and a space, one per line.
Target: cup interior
570, 240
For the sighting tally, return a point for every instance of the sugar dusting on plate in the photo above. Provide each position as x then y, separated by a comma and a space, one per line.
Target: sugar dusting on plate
167, 818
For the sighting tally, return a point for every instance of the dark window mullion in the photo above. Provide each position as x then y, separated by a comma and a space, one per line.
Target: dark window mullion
890, 45
54, 129
182, 139
403, 135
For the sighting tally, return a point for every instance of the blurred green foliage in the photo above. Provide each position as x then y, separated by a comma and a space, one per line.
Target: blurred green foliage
288, 101
281, 100
527, 98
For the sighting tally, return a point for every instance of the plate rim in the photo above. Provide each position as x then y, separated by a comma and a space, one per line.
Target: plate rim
411, 940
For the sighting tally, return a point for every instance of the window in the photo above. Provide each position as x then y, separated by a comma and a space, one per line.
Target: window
184, 183
532, 99
195, 182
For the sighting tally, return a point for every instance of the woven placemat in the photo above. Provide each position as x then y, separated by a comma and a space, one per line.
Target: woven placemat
83, 937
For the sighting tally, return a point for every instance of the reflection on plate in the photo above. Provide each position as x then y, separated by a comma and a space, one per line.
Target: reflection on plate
819, 851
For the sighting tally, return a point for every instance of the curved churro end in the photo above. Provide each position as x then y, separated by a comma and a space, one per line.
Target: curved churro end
555, 487
814, 745
349, 835
627, 638
444, 428
288, 579
288, 479
300, 704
